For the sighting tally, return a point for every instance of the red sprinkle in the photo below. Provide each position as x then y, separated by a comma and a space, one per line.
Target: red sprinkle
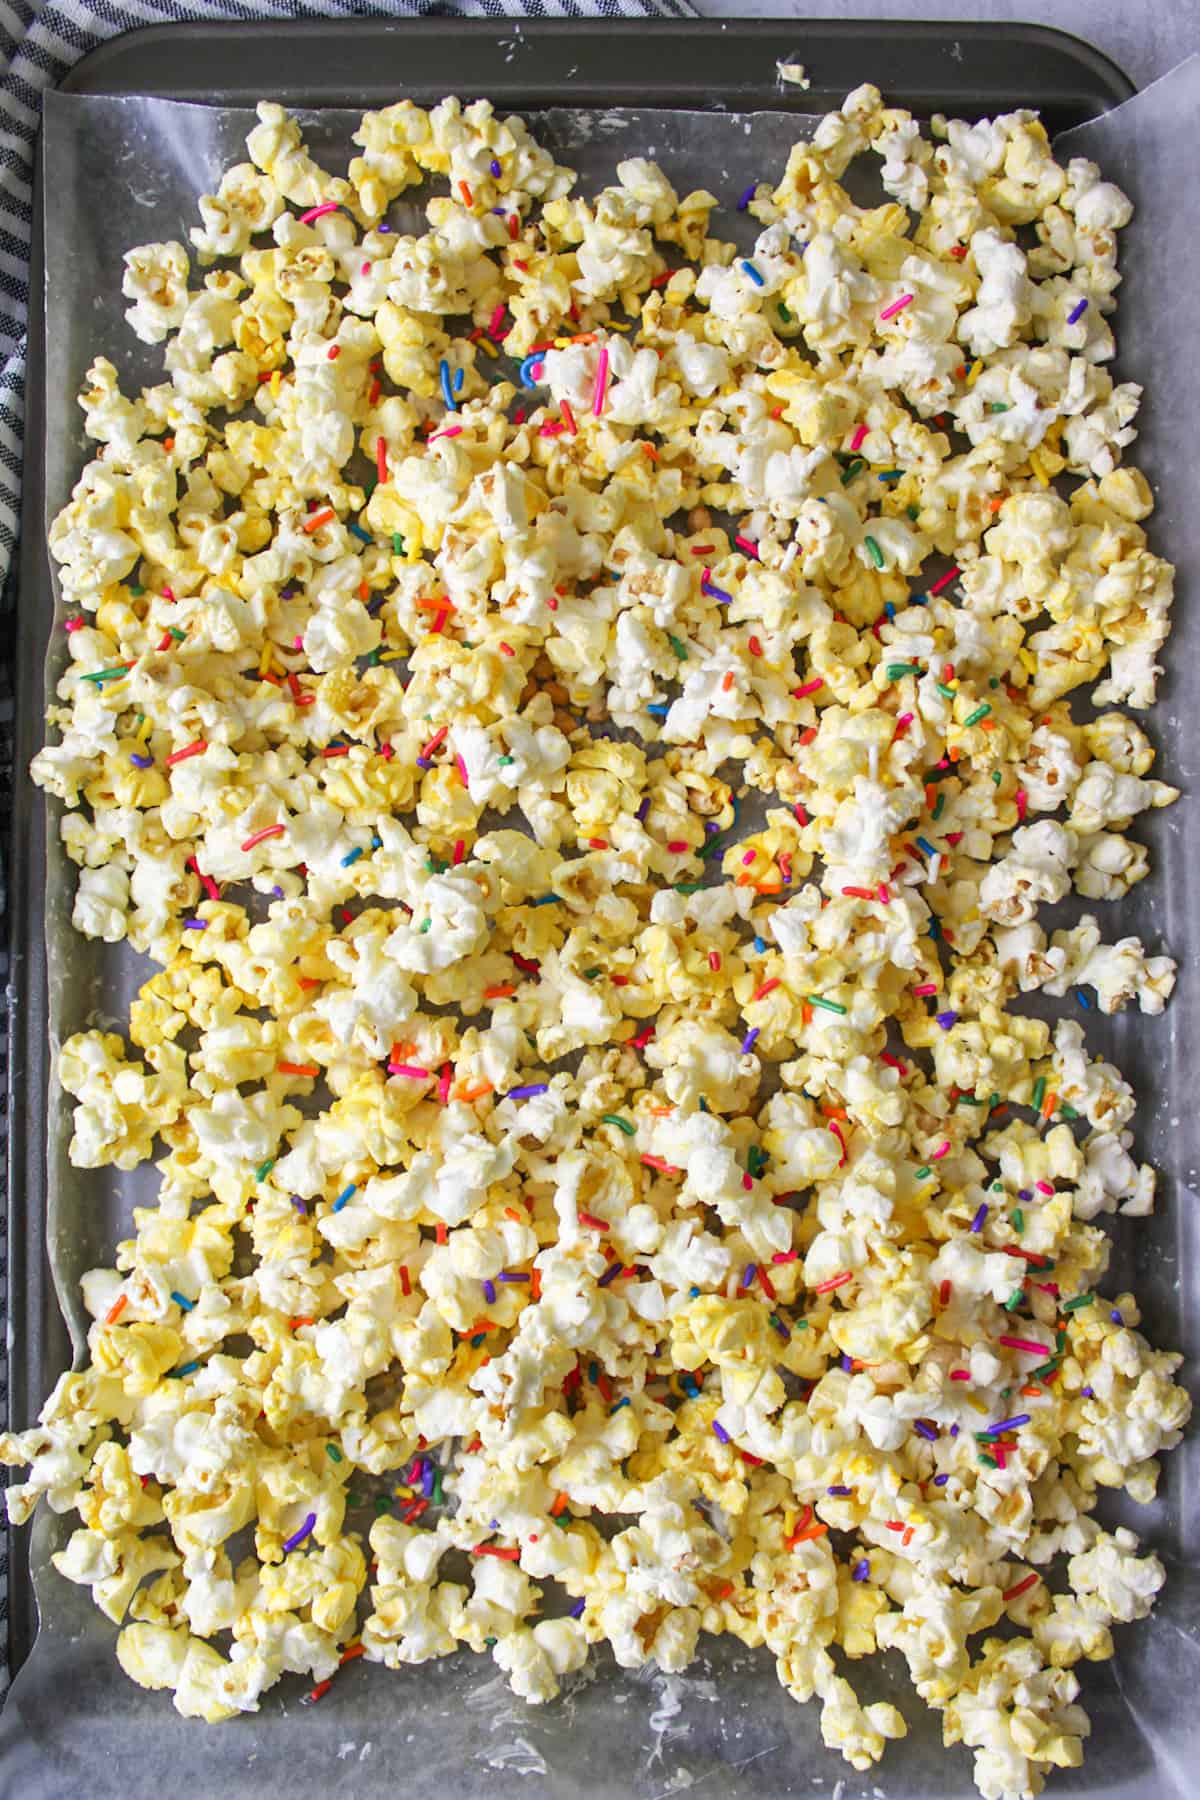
836, 1281
1022, 1587
258, 837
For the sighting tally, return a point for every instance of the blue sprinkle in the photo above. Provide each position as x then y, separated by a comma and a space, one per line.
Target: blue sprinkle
300, 1205
489, 1292
692, 1292
525, 373
861, 1570
760, 945
889, 609
364, 537
447, 390
182, 1300
847, 1364
347, 1193
947, 1019
925, 845
918, 599
376, 843
618, 1406
352, 857
458, 380
186, 1369
747, 196
610, 1274
660, 712
752, 272
1083, 1000
376, 606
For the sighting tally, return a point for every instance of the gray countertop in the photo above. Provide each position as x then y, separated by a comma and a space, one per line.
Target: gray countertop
1146, 37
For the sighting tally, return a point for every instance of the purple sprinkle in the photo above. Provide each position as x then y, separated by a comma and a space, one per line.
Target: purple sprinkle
141, 762
1115, 1316
947, 1019
526, 1093
848, 1365
977, 1223
1024, 1193
643, 809
195, 925
1086, 1392
286, 593
720, 1430
514, 1278
300, 1205
925, 1431
489, 1292
954, 1431
611, 1273
427, 1481
278, 892
748, 1040
714, 592
376, 605
576, 1611
423, 762
384, 228
1007, 1424
861, 1570
747, 197
940, 1480
1077, 312
495, 168
748, 1274
495, 1525
711, 826
839, 1490
306, 1530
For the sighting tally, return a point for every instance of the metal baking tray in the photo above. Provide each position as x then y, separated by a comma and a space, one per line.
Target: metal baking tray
971, 70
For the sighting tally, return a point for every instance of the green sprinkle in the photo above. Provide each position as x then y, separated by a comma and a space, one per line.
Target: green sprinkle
398, 544
1080, 1300
178, 635
422, 928
437, 1496
1046, 1368
833, 1006
688, 887
981, 712
997, 1186
997, 777
947, 693
784, 314
591, 974
914, 512
799, 1324
852, 470
506, 761
373, 660
993, 1101
264, 1169
1067, 1112
679, 648
620, 1123
106, 674
999, 406
1060, 1340
940, 807
134, 589
969, 1100
875, 552
546, 900
993, 681
333, 1453
923, 1172
895, 670
1014, 1300
1018, 1219
990, 1461
1039, 1092
353, 1499
489, 1641
382, 1503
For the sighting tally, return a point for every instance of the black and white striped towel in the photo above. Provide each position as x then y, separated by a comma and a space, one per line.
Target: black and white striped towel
38, 44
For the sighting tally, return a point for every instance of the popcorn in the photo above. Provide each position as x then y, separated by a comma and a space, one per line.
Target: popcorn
550, 1125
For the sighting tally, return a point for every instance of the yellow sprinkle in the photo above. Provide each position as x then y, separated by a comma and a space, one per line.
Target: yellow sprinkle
403, 1493
1036, 464
977, 1403
1028, 661
264, 661
976, 371
274, 384
145, 728
487, 345
391, 656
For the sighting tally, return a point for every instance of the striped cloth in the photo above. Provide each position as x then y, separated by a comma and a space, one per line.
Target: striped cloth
38, 44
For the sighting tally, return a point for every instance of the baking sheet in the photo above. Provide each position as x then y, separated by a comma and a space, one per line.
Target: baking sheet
121, 171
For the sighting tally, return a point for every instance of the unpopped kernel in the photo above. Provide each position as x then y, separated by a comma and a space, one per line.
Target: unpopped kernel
582, 720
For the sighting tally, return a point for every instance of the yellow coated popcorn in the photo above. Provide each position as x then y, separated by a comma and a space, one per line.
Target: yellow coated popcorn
580, 720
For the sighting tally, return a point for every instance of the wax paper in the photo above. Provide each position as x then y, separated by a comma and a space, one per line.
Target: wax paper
121, 171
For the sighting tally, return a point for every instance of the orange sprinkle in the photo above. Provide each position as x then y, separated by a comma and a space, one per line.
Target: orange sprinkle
364, 590
500, 992
351, 1651
510, 1212
116, 1309
561, 1503
727, 683
1049, 1104
464, 188
315, 520
440, 1234
288, 1068
535, 1285
477, 1092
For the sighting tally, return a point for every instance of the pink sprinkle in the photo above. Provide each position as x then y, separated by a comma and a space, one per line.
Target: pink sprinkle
942, 1150
72, 624
409, 1069
444, 1080
460, 850
496, 320
600, 391
1044, 1187
298, 643
810, 687
945, 580
889, 312
714, 960
168, 593
551, 430
960, 1375
365, 269
902, 725
318, 212
1001, 1459
926, 987
1047, 1287
746, 545
885, 893
449, 431
859, 435
461, 766
749, 857
1022, 802
785, 1256
1026, 1344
